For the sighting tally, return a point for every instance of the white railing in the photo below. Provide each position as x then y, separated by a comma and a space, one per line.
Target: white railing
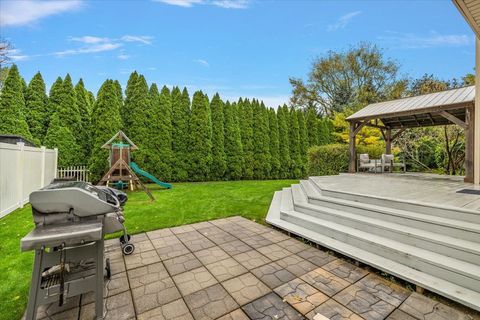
78, 173
23, 169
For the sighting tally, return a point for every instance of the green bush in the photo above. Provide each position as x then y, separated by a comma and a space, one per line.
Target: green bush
374, 151
329, 159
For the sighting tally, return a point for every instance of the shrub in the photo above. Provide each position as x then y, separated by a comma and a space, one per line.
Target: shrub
374, 151
329, 159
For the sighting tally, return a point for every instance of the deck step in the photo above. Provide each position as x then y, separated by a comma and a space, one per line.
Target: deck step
445, 288
448, 226
444, 244
444, 211
453, 270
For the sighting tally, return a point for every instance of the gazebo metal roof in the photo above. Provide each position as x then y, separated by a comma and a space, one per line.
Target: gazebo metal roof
470, 9
419, 111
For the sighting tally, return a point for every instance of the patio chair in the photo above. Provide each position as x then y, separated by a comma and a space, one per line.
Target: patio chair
367, 164
388, 163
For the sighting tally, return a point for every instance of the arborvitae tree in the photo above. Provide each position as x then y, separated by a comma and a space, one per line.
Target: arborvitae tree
55, 96
24, 93
274, 144
67, 110
261, 143
200, 138
219, 164
302, 128
295, 152
312, 127
180, 133
284, 141
61, 137
164, 136
324, 131
91, 101
106, 121
118, 90
36, 108
152, 143
12, 104
233, 143
137, 103
84, 135
246, 130
126, 109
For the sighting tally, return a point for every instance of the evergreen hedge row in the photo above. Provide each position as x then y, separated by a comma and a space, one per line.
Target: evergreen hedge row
179, 139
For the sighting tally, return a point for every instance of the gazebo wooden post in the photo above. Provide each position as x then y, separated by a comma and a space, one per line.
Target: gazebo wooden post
476, 117
388, 141
469, 143
352, 167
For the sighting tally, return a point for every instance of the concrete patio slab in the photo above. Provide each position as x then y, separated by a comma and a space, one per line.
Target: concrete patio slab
226, 269
273, 275
210, 303
194, 280
301, 295
182, 264
333, 310
245, 288
172, 276
325, 281
271, 306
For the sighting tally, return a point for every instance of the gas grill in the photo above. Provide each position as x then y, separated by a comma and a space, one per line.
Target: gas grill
71, 219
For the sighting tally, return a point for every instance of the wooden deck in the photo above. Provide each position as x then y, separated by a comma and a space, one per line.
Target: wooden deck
434, 189
414, 226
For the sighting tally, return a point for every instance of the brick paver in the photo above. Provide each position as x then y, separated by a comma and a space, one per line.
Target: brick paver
236, 269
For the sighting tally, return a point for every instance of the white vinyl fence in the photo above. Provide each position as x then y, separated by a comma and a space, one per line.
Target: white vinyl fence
78, 173
23, 169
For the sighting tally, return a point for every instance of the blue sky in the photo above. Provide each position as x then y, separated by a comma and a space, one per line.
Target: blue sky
238, 48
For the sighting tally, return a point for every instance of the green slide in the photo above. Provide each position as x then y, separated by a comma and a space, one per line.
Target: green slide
147, 175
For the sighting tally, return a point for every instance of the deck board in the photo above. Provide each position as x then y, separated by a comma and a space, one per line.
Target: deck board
419, 187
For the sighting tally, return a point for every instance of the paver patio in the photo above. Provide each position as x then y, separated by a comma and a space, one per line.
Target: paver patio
234, 268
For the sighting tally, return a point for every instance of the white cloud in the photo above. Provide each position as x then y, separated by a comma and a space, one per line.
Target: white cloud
227, 4
231, 4
89, 49
432, 40
141, 39
343, 21
24, 12
152, 68
181, 3
123, 56
203, 62
90, 39
94, 44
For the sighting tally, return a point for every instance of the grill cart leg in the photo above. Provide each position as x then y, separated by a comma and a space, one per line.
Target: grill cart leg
34, 286
99, 284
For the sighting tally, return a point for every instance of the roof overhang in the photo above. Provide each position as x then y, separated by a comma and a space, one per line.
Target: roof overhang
419, 111
470, 9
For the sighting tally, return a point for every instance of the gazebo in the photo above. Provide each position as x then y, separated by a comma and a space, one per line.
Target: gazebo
454, 106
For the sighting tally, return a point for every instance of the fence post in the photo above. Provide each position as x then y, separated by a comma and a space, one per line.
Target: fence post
20, 171
56, 162
42, 176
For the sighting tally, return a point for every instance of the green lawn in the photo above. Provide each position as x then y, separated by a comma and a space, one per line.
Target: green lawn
185, 203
